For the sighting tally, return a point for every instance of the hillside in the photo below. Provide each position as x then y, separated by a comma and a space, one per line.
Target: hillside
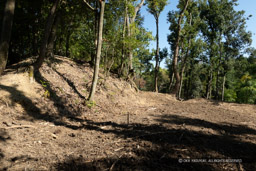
46, 125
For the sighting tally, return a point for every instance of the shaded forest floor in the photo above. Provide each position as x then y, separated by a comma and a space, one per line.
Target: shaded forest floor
47, 126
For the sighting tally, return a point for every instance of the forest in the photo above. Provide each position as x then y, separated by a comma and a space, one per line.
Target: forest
210, 53
81, 87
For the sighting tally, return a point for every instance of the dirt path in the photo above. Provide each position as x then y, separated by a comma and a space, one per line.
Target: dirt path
124, 131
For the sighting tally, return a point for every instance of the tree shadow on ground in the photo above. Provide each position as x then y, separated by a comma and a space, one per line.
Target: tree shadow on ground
70, 83
168, 145
33, 112
60, 103
147, 160
228, 129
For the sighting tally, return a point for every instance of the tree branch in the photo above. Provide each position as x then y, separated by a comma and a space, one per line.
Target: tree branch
137, 9
140, 5
184, 9
89, 6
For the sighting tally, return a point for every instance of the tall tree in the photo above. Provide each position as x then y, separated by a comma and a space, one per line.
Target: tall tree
6, 33
98, 53
130, 22
190, 33
155, 7
52, 37
47, 32
224, 31
184, 5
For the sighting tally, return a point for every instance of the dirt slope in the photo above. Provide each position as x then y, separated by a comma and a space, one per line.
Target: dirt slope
47, 126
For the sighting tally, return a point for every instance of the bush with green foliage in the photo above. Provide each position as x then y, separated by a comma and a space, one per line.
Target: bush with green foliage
247, 91
230, 95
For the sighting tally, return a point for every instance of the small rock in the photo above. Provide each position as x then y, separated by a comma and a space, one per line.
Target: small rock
72, 135
54, 136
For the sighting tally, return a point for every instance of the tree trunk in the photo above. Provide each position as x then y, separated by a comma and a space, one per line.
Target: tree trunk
123, 46
210, 77
176, 53
130, 21
130, 66
99, 45
6, 33
105, 61
171, 82
52, 38
217, 85
157, 54
186, 87
47, 32
184, 61
189, 85
181, 82
67, 42
223, 87
182, 73
96, 26
218, 69
175, 66
209, 86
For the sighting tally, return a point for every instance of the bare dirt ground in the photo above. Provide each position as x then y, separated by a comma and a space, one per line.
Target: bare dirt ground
46, 125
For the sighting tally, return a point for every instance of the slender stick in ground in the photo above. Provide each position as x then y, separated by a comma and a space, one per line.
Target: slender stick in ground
128, 118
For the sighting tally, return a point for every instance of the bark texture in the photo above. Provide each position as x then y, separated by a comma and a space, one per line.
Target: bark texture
157, 54
99, 46
47, 32
176, 52
130, 21
6, 33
